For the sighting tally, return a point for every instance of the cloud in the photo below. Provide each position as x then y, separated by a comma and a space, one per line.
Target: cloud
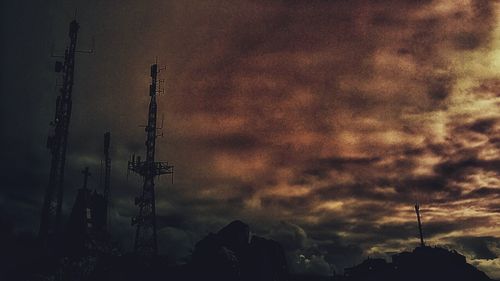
480, 247
291, 237
313, 265
334, 116
177, 243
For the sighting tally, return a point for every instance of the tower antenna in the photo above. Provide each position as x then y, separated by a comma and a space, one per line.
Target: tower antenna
145, 239
417, 210
50, 225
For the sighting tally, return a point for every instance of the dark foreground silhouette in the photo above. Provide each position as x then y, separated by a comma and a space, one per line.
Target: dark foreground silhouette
230, 254
423, 263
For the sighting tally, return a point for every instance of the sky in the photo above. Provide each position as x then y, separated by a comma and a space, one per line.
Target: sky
318, 123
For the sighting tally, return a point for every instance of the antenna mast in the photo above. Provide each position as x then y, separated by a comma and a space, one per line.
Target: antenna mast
417, 210
107, 175
50, 226
145, 238
86, 175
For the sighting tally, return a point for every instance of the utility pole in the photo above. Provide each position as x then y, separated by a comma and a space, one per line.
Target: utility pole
417, 210
107, 175
145, 238
50, 225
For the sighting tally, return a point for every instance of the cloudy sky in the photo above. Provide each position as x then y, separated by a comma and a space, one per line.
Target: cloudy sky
318, 123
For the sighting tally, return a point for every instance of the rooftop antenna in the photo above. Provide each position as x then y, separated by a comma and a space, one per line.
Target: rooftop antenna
417, 210
145, 238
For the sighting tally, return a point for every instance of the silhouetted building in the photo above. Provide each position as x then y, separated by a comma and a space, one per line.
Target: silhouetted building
423, 263
86, 228
231, 254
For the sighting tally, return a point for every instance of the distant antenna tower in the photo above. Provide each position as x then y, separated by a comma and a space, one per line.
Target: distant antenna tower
107, 175
417, 210
86, 175
145, 237
50, 225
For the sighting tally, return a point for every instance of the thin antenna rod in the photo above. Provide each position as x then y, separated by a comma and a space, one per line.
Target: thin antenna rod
107, 173
417, 210
86, 175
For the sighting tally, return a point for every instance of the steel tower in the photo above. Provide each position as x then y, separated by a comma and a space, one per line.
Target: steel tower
145, 238
50, 226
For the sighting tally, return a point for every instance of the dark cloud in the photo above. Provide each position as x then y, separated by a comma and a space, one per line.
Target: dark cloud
434, 228
467, 41
340, 254
334, 116
482, 192
345, 163
287, 202
236, 142
483, 126
479, 247
291, 236
432, 183
439, 87
460, 167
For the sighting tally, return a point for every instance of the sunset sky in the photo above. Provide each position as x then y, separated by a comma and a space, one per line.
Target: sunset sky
318, 123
